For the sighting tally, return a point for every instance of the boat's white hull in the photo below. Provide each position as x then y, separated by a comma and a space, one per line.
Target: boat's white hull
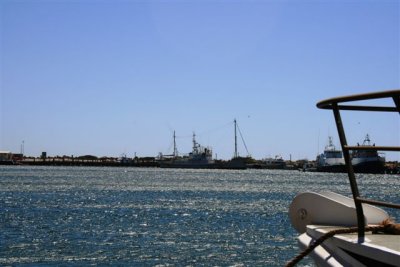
315, 214
346, 250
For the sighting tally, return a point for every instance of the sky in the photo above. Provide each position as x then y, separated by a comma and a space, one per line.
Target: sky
107, 78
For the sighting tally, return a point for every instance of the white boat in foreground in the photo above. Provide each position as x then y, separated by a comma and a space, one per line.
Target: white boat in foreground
339, 231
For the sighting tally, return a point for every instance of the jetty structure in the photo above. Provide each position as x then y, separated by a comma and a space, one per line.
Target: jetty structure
201, 157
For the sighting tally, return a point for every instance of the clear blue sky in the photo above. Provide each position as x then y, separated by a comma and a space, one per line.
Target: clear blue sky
112, 77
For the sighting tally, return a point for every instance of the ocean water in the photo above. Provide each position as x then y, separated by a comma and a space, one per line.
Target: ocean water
81, 216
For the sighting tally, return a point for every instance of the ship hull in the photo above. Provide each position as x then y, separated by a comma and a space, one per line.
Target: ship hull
6, 162
234, 164
375, 166
187, 165
332, 168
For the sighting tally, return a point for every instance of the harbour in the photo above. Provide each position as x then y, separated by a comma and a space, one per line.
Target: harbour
120, 143
201, 157
389, 167
190, 212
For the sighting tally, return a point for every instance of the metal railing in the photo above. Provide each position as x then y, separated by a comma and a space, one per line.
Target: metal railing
335, 104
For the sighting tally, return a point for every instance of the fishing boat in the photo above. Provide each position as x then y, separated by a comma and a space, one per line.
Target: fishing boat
274, 163
331, 160
199, 158
339, 231
368, 161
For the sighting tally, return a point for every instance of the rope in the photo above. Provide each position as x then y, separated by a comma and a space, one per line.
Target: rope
387, 226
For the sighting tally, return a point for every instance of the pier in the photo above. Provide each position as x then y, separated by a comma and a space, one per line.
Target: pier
90, 161
391, 167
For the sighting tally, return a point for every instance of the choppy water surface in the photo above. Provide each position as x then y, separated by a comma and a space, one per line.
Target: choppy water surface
157, 217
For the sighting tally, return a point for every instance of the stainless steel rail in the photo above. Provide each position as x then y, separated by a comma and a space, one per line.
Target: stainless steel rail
334, 105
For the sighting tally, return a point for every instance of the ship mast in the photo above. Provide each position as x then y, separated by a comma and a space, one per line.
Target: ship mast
175, 149
330, 143
195, 150
236, 153
244, 143
367, 141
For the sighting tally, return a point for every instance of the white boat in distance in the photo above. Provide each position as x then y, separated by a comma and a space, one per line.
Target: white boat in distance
331, 160
274, 163
340, 231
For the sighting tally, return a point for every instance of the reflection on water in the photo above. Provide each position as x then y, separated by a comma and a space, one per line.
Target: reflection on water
165, 217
